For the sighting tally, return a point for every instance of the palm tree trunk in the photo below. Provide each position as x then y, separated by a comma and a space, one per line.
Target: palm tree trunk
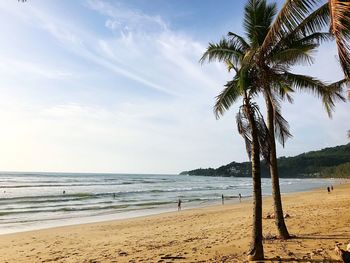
256, 250
276, 193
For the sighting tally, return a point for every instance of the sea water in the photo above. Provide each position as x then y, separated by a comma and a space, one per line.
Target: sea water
39, 200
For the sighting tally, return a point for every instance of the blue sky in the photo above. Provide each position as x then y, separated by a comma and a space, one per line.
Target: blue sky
115, 86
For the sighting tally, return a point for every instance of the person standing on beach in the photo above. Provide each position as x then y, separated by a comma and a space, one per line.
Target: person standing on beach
328, 189
222, 198
179, 205
240, 197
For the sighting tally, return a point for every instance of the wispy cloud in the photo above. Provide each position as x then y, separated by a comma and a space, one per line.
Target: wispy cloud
120, 17
148, 57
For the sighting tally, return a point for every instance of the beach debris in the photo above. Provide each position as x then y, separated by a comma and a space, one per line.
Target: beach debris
270, 236
344, 255
122, 253
270, 216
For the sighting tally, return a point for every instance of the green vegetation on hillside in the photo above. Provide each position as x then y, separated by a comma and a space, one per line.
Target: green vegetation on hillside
328, 162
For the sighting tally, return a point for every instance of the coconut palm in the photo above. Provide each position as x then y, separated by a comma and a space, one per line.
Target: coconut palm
253, 129
302, 18
275, 80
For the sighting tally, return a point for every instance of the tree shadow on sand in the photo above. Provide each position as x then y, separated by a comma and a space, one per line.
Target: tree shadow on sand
319, 237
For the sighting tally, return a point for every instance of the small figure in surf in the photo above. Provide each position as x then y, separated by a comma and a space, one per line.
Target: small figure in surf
64, 192
240, 197
179, 205
222, 199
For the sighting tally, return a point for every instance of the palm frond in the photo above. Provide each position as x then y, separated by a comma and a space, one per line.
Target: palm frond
328, 93
258, 16
227, 97
301, 55
315, 22
281, 125
308, 30
240, 41
282, 132
334, 94
304, 83
288, 19
316, 38
303, 45
283, 91
223, 51
245, 129
262, 133
340, 28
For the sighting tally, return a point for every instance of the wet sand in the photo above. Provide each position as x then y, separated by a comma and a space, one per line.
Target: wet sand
213, 234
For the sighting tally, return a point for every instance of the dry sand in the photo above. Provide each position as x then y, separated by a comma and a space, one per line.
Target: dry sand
213, 234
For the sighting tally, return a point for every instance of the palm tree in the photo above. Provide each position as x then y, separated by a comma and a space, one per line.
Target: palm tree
299, 18
250, 122
253, 129
275, 81
252, 134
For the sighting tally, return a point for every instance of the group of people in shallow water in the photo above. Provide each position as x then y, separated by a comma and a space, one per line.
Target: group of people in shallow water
179, 202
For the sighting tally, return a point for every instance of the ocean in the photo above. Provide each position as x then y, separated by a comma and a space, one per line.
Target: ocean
30, 201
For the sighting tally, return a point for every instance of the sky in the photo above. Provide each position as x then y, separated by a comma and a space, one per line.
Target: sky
116, 86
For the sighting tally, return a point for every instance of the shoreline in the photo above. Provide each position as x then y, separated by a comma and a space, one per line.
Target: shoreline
117, 216
219, 233
111, 217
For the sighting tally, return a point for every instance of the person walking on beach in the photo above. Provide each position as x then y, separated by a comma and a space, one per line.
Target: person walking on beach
179, 205
222, 198
332, 187
240, 197
328, 189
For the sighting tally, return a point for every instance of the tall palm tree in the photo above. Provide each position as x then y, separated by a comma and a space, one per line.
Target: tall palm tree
250, 122
302, 18
275, 80
253, 129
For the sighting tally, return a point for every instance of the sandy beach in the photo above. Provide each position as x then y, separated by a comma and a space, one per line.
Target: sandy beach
214, 234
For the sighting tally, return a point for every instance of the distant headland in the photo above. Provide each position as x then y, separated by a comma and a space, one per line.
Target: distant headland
328, 162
